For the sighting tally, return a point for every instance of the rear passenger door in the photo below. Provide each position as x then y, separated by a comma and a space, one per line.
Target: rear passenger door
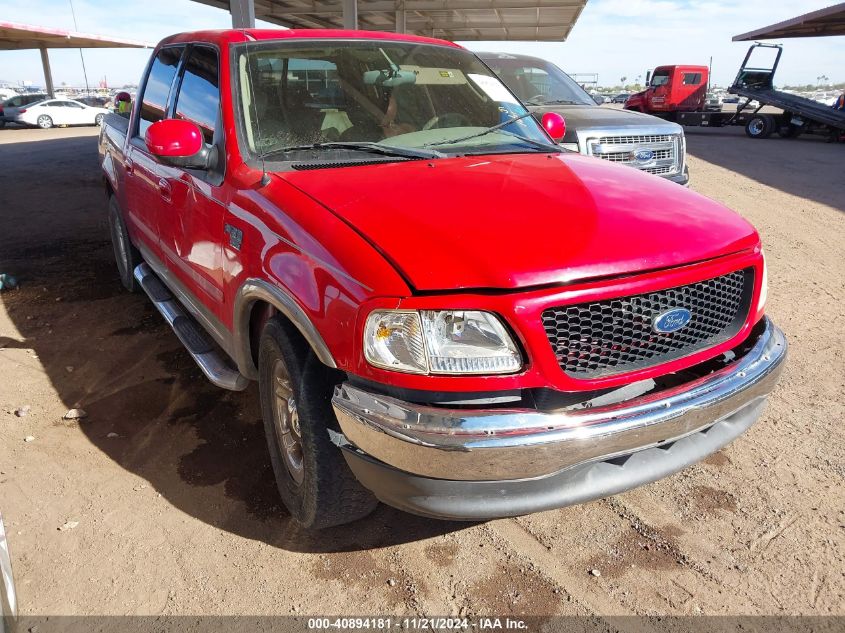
56, 111
191, 226
145, 200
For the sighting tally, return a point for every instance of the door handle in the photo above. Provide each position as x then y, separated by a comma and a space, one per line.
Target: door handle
164, 188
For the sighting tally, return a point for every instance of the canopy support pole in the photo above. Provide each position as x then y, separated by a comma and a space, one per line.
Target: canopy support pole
350, 14
48, 75
401, 17
243, 14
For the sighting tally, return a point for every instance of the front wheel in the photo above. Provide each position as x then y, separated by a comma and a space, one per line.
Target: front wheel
312, 476
98, 120
45, 122
759, 126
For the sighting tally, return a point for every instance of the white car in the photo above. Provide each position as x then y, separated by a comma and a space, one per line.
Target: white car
45, 114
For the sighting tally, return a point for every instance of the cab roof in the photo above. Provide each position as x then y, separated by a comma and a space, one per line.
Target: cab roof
236, 36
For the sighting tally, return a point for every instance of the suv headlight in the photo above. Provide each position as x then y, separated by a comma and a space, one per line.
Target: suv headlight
440, 342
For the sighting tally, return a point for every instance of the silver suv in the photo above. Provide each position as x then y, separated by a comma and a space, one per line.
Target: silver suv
630, 138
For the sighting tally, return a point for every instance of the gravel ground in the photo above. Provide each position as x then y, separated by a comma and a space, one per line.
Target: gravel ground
161, 500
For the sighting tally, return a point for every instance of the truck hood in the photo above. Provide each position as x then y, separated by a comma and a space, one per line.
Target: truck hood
587, 118
522, 220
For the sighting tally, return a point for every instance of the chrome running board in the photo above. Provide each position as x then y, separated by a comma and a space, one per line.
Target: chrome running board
198, 343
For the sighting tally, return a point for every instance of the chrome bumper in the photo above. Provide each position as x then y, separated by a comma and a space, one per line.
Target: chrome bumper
8, 599
509, 444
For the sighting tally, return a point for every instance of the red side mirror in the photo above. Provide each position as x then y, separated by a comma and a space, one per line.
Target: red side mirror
554, 125
174, 138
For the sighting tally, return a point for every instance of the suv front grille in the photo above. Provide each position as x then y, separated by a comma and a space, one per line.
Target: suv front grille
665, 151
614, 336
630, 140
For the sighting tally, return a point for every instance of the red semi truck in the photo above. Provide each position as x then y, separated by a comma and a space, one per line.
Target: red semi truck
443, 309
678, 93
672, 89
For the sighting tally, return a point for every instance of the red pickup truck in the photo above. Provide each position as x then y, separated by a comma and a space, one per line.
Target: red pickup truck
444, 309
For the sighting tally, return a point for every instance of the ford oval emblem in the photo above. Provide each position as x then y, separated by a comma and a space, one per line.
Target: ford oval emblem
671, 320
643, 155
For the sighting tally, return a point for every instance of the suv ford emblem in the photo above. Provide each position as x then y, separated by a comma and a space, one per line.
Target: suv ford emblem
671, 320
643, 155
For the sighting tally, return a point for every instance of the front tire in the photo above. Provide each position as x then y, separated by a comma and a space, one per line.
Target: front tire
44, 122
312, 476
126, 256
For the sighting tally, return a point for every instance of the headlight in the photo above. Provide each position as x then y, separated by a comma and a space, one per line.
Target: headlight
440, 342
764, 285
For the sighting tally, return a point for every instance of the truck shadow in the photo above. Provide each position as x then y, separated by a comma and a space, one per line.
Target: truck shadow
109, 352
806, 167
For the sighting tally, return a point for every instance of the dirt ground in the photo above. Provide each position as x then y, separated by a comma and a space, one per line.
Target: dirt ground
161, 501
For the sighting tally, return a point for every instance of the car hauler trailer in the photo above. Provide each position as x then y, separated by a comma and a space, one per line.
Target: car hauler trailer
676, 94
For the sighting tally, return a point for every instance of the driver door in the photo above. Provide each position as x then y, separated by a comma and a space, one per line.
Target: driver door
76, 113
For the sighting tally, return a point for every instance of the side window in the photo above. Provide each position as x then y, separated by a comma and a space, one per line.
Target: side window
71, 104
692, 79
199, 95
154, 103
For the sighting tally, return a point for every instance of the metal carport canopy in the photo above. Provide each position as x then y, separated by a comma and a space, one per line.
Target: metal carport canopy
463, 20
829, 21
22, 36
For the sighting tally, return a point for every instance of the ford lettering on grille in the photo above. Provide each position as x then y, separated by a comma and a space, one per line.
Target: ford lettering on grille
643, 155
671, 321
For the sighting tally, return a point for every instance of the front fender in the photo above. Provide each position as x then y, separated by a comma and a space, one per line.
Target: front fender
254, 290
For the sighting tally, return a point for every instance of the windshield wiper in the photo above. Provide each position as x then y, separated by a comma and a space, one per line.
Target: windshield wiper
363, 146
498, 128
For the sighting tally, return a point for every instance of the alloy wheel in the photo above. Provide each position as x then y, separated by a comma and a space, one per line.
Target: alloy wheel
286, 421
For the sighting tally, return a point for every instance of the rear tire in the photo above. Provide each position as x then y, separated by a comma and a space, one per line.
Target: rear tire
44, 122
314, 481
98, 120
126, 256
759, 126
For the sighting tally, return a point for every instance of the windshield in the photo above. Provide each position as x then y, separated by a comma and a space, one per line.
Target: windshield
329, 96
537, 82
659, 78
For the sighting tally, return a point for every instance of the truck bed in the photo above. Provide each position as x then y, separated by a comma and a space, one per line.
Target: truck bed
808, 108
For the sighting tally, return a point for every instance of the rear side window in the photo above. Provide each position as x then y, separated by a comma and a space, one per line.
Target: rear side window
199, 95
692, 79
154, 102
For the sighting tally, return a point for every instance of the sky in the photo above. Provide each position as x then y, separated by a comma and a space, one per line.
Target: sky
614, 38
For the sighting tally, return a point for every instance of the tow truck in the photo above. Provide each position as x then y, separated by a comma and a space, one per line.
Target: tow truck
677, 93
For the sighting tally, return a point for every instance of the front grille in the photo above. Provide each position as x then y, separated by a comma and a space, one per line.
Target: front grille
630, 140
665, 148
659, 171
604, 338
626, 157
